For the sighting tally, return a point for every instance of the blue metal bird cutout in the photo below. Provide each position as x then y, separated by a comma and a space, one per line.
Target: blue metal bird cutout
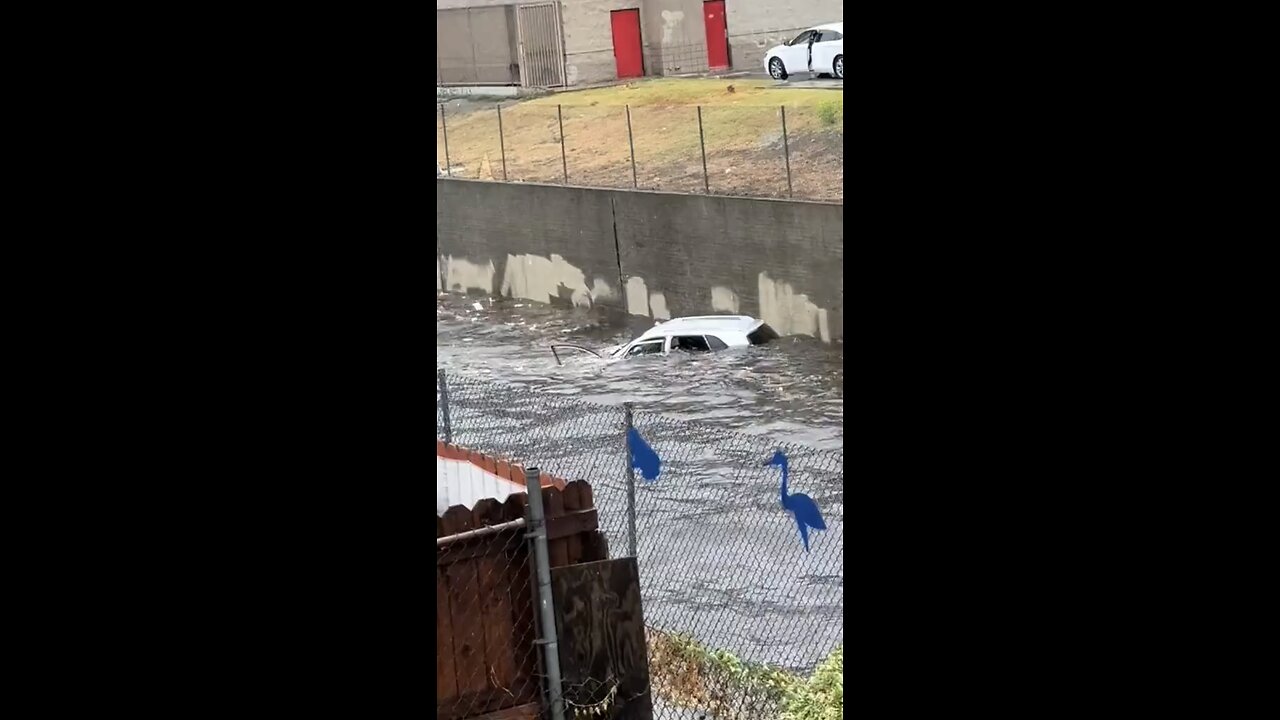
643, 458
800, 505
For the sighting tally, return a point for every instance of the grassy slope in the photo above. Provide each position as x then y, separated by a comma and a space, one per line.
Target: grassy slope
664, 121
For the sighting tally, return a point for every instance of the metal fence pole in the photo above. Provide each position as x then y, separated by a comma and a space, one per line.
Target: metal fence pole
502, 145
632, 142
631, 484
564, 161
546, 612
786, 148
445, 128
444, 404
706, 183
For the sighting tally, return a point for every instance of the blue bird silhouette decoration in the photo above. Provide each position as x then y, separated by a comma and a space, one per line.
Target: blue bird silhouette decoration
643, 458
800, 505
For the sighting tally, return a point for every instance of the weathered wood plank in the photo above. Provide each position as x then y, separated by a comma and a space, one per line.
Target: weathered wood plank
499, 635
600, 622
446, 678
523, 712
572, 524
495, 544
457, 519
524, 632
486, 512
468, 629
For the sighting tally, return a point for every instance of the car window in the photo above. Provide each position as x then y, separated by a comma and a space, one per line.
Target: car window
801, 38
829, 36
762, 335
689, 343
716, 343
646, 348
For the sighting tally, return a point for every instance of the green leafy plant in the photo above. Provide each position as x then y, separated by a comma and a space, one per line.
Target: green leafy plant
687, 674
821, 697
831, 112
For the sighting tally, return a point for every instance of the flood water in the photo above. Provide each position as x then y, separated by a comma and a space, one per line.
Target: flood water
719, 557
791, 389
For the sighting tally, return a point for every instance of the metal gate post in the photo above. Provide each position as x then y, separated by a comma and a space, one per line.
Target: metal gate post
546, 611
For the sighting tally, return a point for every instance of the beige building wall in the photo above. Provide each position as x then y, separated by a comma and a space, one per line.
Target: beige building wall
757, 25
673, 32
588, 39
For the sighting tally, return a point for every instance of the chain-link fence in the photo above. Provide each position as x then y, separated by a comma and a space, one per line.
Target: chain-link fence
736, 149
486, 656
739, 613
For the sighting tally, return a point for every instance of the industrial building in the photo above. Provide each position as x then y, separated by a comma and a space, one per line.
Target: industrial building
578, 42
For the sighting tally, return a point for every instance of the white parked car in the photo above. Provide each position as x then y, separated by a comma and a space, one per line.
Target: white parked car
703, 333
818, 50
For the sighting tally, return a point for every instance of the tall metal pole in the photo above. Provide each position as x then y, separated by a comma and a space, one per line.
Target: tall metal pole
444, 404
786, 148
546, 612
631, 485
563, 159
445, 128
502, 144
706, 183
632, 142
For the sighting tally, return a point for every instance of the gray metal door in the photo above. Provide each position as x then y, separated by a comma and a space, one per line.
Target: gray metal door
541, 45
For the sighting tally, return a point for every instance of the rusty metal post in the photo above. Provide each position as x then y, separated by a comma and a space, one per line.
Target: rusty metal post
502, 144
632, 142
786, 148
706, 183
445, 128
631, 479
564, 161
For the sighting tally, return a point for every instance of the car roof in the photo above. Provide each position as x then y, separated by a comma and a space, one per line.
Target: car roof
704, 324
839, 27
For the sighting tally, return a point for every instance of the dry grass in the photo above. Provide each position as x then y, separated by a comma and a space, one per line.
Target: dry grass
741, 121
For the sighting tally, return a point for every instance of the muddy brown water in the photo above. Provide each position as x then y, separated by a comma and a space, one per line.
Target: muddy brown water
720, 558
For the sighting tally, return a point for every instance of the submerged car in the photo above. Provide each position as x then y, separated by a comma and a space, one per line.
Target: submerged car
702, 333
817, 51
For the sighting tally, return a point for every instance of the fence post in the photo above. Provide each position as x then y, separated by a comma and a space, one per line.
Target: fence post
444, 404
631, 484
786, 148
546, 612
706, 184
445, 128
563, 159
502, 144
632, 142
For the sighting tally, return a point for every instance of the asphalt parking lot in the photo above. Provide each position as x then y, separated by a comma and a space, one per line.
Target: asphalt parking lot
797, 80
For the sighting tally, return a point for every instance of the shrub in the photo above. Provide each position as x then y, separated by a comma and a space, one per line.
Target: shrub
687, 674
821, 697
831, 111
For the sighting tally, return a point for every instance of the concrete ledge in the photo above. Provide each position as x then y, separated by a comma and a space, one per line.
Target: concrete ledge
448, 91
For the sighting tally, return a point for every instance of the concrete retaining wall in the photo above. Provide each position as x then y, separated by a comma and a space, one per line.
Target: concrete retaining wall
657, 255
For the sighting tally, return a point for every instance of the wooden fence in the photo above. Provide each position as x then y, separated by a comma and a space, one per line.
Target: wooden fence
486, 659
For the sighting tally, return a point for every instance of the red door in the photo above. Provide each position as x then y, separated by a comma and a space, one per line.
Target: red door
717, 35
626, 42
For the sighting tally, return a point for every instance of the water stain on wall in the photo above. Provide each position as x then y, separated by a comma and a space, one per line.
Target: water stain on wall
658, 306
671, 19
724, 300
533, 277
637, 296
789, 312
462, 275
